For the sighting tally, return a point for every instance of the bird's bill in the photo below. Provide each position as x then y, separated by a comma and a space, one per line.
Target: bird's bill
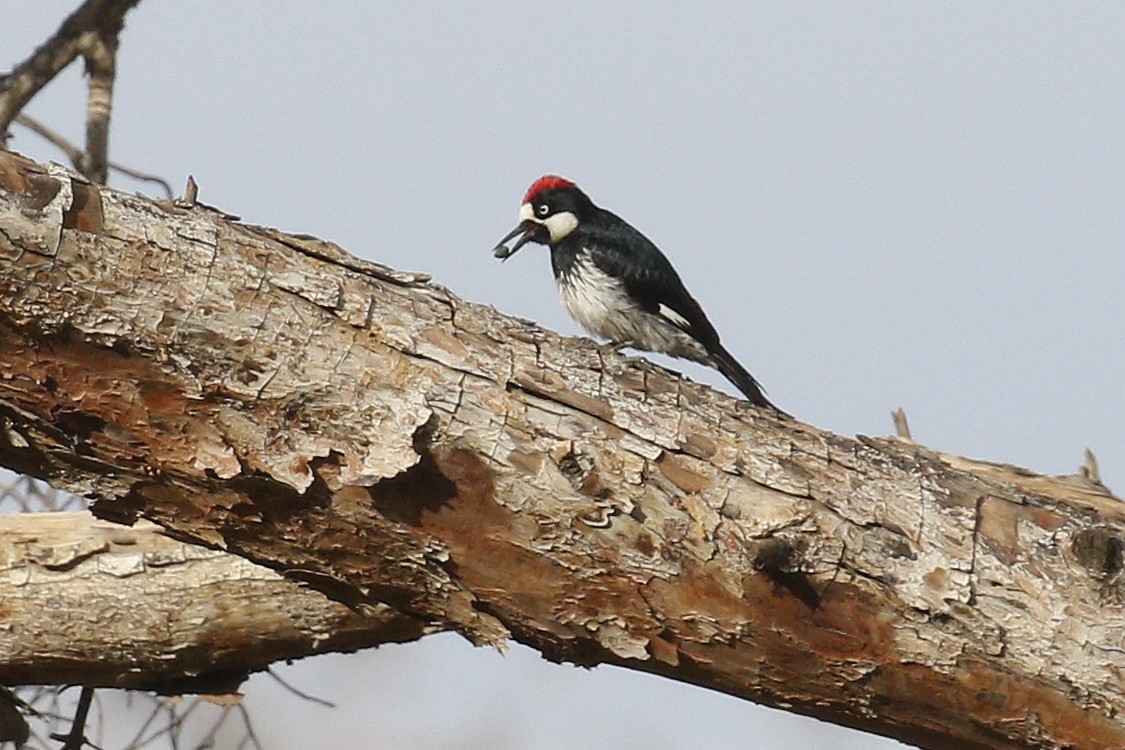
532, 232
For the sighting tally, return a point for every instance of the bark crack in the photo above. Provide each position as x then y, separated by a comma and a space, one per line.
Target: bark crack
978, 513
206, 286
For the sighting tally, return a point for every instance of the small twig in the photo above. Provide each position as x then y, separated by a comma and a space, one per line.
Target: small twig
299, 693
208, 739
1090, 468
191, 191
76, 155
251, 735
72, 152
172, 730
138, 175
902, 429
176, 723
76, 738
157, 710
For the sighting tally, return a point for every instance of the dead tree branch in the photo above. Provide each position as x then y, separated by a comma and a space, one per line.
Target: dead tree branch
185, 618
364, 431
91, 31
75, 739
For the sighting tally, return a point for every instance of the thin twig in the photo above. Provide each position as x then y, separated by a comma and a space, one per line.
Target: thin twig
76, 738
251, 735
72, 152
175, 724
156, 711
138, 175
172, 729
300, 694
75, 154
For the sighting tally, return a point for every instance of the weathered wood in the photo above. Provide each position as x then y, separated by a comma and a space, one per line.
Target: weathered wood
92, 602
366, 431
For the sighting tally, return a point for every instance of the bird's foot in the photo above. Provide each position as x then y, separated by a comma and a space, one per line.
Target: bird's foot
614, 347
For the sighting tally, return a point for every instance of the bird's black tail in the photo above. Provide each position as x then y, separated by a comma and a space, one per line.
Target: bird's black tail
743, 380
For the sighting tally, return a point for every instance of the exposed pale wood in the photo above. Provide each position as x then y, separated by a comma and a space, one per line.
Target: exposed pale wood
92, 602
367, 431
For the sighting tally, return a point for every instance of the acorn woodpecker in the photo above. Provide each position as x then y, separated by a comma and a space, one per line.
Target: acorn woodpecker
616, 282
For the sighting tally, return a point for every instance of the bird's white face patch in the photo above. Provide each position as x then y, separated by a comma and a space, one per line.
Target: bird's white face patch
558, 225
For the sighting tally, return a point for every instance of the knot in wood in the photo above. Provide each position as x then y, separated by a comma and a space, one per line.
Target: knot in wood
582, 473
781, 559
1100, 551
778, 553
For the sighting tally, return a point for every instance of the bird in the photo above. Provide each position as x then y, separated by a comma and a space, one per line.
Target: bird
617, 284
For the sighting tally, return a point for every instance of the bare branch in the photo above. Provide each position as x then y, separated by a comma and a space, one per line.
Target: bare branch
92, 31
56, 568
145, 176
76, 737
101, 67
374, 436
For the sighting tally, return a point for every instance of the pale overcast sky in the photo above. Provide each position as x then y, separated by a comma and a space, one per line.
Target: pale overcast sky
879, 205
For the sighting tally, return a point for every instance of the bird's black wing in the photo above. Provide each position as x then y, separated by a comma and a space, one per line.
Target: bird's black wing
649, 278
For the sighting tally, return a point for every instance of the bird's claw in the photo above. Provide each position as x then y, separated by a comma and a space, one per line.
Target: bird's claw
614, 347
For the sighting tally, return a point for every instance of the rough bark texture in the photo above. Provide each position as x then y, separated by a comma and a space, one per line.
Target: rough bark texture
92, 602
369, 433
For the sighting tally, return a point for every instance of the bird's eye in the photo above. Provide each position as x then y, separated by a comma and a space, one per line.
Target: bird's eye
543, 209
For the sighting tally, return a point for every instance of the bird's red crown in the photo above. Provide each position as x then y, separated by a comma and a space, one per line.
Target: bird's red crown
546, 182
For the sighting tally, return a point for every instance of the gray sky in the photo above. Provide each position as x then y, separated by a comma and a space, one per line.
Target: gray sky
878, 204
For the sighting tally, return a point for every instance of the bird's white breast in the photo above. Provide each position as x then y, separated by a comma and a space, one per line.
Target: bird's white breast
599, 302
594, 298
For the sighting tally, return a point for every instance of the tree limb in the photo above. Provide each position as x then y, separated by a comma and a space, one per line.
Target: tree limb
91, 31
96, 603
365, 431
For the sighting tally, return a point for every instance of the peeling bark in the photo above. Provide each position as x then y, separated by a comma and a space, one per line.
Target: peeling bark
365, 431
